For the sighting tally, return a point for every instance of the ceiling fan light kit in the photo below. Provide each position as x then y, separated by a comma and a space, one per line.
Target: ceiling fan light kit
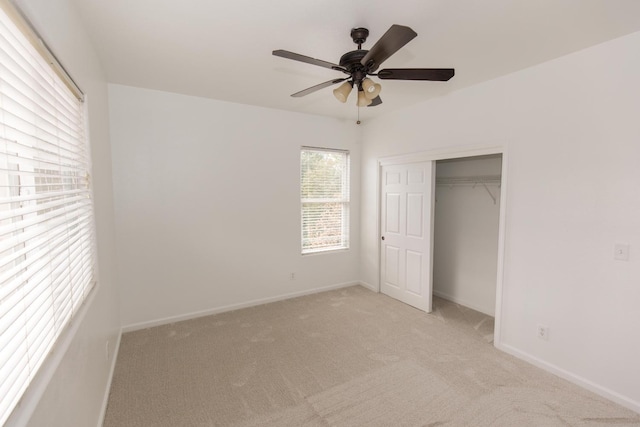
359, 64
371, 89
342, 92
363, 101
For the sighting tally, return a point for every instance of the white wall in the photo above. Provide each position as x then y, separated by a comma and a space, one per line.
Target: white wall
74, 396
207, 204
570, 128
465, 249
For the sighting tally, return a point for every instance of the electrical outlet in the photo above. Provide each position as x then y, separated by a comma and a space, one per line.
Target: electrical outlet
543, 332
292, 276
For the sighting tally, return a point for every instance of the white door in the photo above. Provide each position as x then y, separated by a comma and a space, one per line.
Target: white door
406, 230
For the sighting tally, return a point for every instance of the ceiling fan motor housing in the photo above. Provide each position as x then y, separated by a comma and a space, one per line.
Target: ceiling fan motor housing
351, 61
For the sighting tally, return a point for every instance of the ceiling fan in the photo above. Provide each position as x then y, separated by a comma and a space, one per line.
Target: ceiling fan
359, 64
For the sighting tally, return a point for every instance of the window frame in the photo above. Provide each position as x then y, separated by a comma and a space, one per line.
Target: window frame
43, 178
344, 200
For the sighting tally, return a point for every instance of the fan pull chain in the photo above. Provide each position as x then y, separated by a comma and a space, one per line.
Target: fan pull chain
358, 122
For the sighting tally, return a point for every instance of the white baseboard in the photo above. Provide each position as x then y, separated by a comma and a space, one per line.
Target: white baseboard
112, 369
576, 379
369, 286
231, 307
463, 302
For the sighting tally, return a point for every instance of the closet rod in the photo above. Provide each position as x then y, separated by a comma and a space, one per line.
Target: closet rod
465, 180
472, 180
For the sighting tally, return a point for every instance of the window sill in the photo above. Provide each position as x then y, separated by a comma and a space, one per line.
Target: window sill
325, 252
31, 397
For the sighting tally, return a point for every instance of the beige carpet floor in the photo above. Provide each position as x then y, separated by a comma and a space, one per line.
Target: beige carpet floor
348, 357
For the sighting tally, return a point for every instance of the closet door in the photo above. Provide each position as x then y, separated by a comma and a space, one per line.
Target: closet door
406, 230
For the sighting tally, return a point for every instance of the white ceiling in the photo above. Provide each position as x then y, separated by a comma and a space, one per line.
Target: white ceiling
222, 49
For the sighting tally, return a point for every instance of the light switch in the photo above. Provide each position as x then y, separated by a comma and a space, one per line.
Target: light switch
621, 252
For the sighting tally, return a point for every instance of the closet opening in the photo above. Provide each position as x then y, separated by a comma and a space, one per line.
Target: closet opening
466, 229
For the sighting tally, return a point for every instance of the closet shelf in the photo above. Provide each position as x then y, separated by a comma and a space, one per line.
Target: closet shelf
483, 180
469, 180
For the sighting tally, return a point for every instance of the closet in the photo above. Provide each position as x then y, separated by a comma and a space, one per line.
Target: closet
466, 224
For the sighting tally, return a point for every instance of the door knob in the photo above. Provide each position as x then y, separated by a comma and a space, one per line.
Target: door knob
382, 237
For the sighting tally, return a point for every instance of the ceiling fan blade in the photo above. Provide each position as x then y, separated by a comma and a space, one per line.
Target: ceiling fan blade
395, 37
433, 74
297, 57
375, 101
312, 89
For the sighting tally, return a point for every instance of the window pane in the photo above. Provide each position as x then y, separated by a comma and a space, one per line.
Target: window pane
324, 191
46, 212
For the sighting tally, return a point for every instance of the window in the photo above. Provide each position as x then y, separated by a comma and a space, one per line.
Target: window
324, 185
46, 211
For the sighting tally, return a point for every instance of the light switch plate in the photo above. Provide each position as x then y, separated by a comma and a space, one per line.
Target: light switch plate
621, 252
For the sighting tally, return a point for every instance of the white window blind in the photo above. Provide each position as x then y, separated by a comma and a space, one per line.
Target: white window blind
46, 212
324, 185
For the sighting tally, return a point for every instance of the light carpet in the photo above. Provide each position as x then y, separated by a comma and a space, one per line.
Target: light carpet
348, 357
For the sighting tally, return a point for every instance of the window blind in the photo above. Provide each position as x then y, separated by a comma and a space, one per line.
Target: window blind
46, 212
324, 184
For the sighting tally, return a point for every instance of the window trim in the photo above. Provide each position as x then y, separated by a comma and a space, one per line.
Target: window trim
28, 30
27, 405
345, 201
23, 409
